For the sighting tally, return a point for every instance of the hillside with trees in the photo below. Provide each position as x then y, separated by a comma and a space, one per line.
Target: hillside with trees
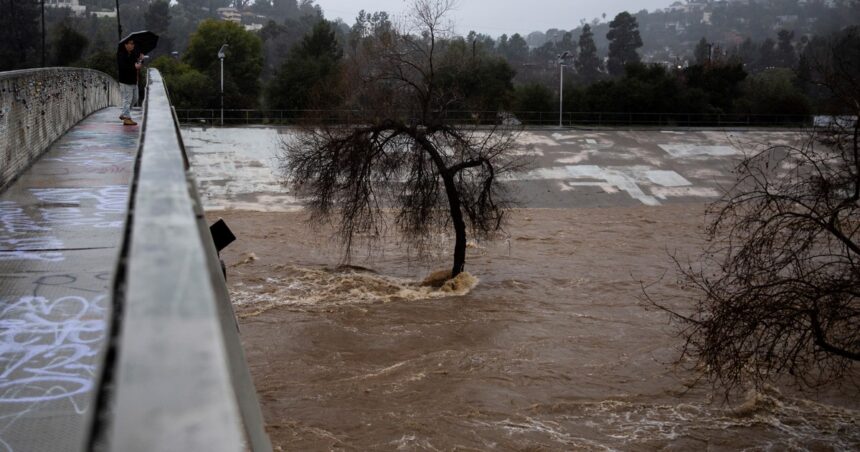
705, 59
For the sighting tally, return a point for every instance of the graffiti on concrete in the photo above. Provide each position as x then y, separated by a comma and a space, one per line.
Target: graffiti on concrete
22, 238
109, 204
48, 347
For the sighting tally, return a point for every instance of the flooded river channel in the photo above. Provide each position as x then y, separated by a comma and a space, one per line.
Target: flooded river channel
543, 345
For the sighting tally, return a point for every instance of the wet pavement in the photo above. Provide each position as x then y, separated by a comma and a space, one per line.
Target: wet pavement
60, 227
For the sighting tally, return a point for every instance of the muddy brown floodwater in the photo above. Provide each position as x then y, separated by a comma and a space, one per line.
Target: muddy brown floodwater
545, 347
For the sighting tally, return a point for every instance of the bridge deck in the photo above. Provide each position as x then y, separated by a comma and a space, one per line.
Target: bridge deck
60, 225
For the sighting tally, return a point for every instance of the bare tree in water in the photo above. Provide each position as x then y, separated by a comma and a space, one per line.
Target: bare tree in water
779, 280
436, 173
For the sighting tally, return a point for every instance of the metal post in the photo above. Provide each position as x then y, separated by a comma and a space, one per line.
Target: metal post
560, 92
561, 87
221, 56
118, 23
222, 91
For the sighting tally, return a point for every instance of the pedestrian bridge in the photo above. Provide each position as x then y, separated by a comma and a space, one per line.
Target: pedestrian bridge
116, 329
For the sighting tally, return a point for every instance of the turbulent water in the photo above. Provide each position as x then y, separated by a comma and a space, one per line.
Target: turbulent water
544, 345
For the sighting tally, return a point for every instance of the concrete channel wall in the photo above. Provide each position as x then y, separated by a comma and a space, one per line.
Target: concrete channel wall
178, 379
37, 106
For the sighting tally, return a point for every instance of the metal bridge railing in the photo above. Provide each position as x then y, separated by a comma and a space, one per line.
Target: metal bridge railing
525, 118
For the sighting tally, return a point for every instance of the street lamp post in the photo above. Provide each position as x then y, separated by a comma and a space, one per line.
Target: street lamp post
221, 56
561, 87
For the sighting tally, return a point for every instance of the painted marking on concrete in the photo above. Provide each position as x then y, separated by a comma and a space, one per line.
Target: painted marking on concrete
684, 150
535, 139
667, 178
677, 192
626, 179
560, 137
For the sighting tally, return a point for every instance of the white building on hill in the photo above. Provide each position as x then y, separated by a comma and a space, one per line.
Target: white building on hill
74, 5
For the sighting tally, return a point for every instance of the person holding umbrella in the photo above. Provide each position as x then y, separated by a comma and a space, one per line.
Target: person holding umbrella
128, 63
130, 53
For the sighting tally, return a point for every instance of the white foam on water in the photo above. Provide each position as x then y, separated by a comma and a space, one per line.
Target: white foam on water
315, 287
552, 430
791, 422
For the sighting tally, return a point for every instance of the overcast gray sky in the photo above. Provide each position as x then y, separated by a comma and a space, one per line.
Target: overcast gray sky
495, 17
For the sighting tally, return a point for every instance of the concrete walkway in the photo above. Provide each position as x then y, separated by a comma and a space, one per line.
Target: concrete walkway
60, 225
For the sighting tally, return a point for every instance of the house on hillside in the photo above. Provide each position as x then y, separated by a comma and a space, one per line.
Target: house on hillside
74, 5
229, 14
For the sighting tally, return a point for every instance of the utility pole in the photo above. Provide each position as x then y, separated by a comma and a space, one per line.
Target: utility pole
118, 23
43, 33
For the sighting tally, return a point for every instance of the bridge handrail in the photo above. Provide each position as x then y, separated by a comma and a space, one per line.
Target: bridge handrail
177, 379
37, 106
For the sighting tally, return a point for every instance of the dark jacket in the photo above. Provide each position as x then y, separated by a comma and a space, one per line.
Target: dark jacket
125, 66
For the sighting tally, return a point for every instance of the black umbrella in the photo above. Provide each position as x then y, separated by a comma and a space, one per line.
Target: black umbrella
144, 41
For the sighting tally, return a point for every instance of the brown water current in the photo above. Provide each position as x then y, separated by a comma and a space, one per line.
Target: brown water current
543, 345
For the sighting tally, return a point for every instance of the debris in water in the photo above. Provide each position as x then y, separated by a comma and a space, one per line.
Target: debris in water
437, 278
246, 258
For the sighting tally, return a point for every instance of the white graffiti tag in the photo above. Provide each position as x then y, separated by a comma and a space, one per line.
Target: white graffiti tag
15, 221
110, 206
21, 239
48, 349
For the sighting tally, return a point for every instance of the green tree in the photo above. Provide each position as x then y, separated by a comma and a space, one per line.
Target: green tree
721, 82
588, 64
785, 54
566, 44
476, 80
773, 91
241, 67
534, 98
104, 61
642, 89
517, 50
702, 53
767, 55
188, 87
310, 75
408, 155
67, 45
776, 285
157, 20
747, 53
157, 17
19, 34
623, 39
